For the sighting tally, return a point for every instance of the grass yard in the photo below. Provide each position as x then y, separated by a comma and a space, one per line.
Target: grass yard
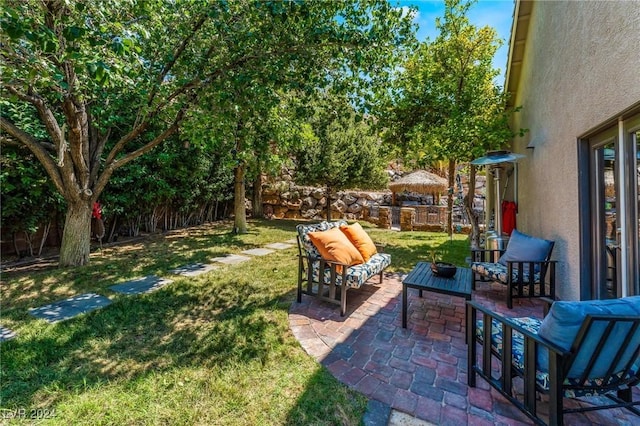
212, 349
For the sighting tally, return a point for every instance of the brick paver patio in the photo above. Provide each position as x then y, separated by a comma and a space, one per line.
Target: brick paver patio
420, 370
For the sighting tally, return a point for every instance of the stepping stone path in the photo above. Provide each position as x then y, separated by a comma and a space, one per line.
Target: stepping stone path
258, 251
6, 334
279, 246
141, 285
232, 259
88, 302
70, 307
193, 269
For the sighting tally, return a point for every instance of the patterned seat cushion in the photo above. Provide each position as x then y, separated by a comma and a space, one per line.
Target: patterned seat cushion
303, 233
498, 272
542, 377
357, 275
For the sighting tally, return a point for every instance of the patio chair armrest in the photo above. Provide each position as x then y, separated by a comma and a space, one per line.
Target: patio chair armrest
474, 306
547, 305
486, 255
330, 263
535, 262
309, 257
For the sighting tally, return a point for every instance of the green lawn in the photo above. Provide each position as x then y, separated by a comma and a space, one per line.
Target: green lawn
214, 349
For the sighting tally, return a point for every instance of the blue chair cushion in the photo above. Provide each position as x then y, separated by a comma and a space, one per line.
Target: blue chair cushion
564, 320
524, 247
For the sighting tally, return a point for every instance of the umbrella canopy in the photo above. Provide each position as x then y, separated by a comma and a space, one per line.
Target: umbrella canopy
420, 181
495, 157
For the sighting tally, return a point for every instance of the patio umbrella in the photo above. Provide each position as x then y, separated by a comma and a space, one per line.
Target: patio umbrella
420, 181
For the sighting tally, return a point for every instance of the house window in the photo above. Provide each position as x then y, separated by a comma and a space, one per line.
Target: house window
609, 205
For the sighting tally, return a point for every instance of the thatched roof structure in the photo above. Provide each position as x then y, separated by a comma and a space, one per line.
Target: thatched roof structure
420, 181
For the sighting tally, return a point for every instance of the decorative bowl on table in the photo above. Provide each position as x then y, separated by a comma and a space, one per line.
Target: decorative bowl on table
443, 269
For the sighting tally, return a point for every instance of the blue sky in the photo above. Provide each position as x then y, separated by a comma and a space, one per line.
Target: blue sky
495, 13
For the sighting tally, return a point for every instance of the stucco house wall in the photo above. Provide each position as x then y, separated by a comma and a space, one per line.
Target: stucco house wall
580, 67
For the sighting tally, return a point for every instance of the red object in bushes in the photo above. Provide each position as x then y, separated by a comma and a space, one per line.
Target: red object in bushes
97, 211
509, 210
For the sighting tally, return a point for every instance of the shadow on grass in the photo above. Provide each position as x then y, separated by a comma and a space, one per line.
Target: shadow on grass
220, 321
140, 335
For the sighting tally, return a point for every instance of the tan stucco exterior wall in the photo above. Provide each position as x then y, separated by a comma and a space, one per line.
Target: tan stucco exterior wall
581, 67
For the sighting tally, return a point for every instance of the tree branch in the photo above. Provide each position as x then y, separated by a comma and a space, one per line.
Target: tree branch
38, 150
115, 164
176, 55
78, 140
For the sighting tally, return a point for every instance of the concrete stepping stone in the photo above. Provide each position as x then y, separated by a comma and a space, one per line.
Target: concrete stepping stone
194, 269
70, 307
258, 251
232, 259
6, 334
141, 285
279, 246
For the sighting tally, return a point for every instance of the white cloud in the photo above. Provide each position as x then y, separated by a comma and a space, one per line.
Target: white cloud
407, 11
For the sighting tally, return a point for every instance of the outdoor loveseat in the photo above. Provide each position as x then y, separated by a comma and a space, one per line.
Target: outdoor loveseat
580, 349
338, 276
524, 267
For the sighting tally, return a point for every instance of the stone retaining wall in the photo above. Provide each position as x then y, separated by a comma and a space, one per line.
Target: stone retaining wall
288, 201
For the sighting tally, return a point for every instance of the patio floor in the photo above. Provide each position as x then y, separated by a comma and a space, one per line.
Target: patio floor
420, 370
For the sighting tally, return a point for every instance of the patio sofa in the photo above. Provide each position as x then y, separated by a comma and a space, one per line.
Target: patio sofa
524, 267
339, 273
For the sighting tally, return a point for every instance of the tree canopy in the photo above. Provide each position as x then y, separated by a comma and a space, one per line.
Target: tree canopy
444, 104
109, 81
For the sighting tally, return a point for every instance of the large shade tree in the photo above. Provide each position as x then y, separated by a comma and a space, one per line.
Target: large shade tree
109, 81
445, 104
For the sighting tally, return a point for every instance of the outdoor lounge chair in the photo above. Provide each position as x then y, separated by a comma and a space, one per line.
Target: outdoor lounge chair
525, 254
589, 348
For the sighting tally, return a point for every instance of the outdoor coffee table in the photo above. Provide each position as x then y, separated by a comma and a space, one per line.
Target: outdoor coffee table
422, 278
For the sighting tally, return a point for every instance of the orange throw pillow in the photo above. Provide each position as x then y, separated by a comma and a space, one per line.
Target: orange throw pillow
334, 245
360, 239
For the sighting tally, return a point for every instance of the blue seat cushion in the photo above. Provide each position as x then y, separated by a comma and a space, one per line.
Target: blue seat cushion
564, 320
523, 247
356, 275
498, 272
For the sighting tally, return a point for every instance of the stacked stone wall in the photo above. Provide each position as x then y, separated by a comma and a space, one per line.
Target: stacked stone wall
288, 201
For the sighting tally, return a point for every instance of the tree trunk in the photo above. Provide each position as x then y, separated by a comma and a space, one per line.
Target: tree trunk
452, 173
76, 236
239, 208
258, 212
15, 245
328, 204
45, 235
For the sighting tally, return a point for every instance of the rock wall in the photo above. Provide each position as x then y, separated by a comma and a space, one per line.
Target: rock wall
286, 200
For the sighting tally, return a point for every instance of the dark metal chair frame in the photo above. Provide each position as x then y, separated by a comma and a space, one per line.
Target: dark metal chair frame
337, 294
519, 288
616, 387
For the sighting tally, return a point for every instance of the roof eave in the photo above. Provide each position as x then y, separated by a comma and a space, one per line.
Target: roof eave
517, 43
